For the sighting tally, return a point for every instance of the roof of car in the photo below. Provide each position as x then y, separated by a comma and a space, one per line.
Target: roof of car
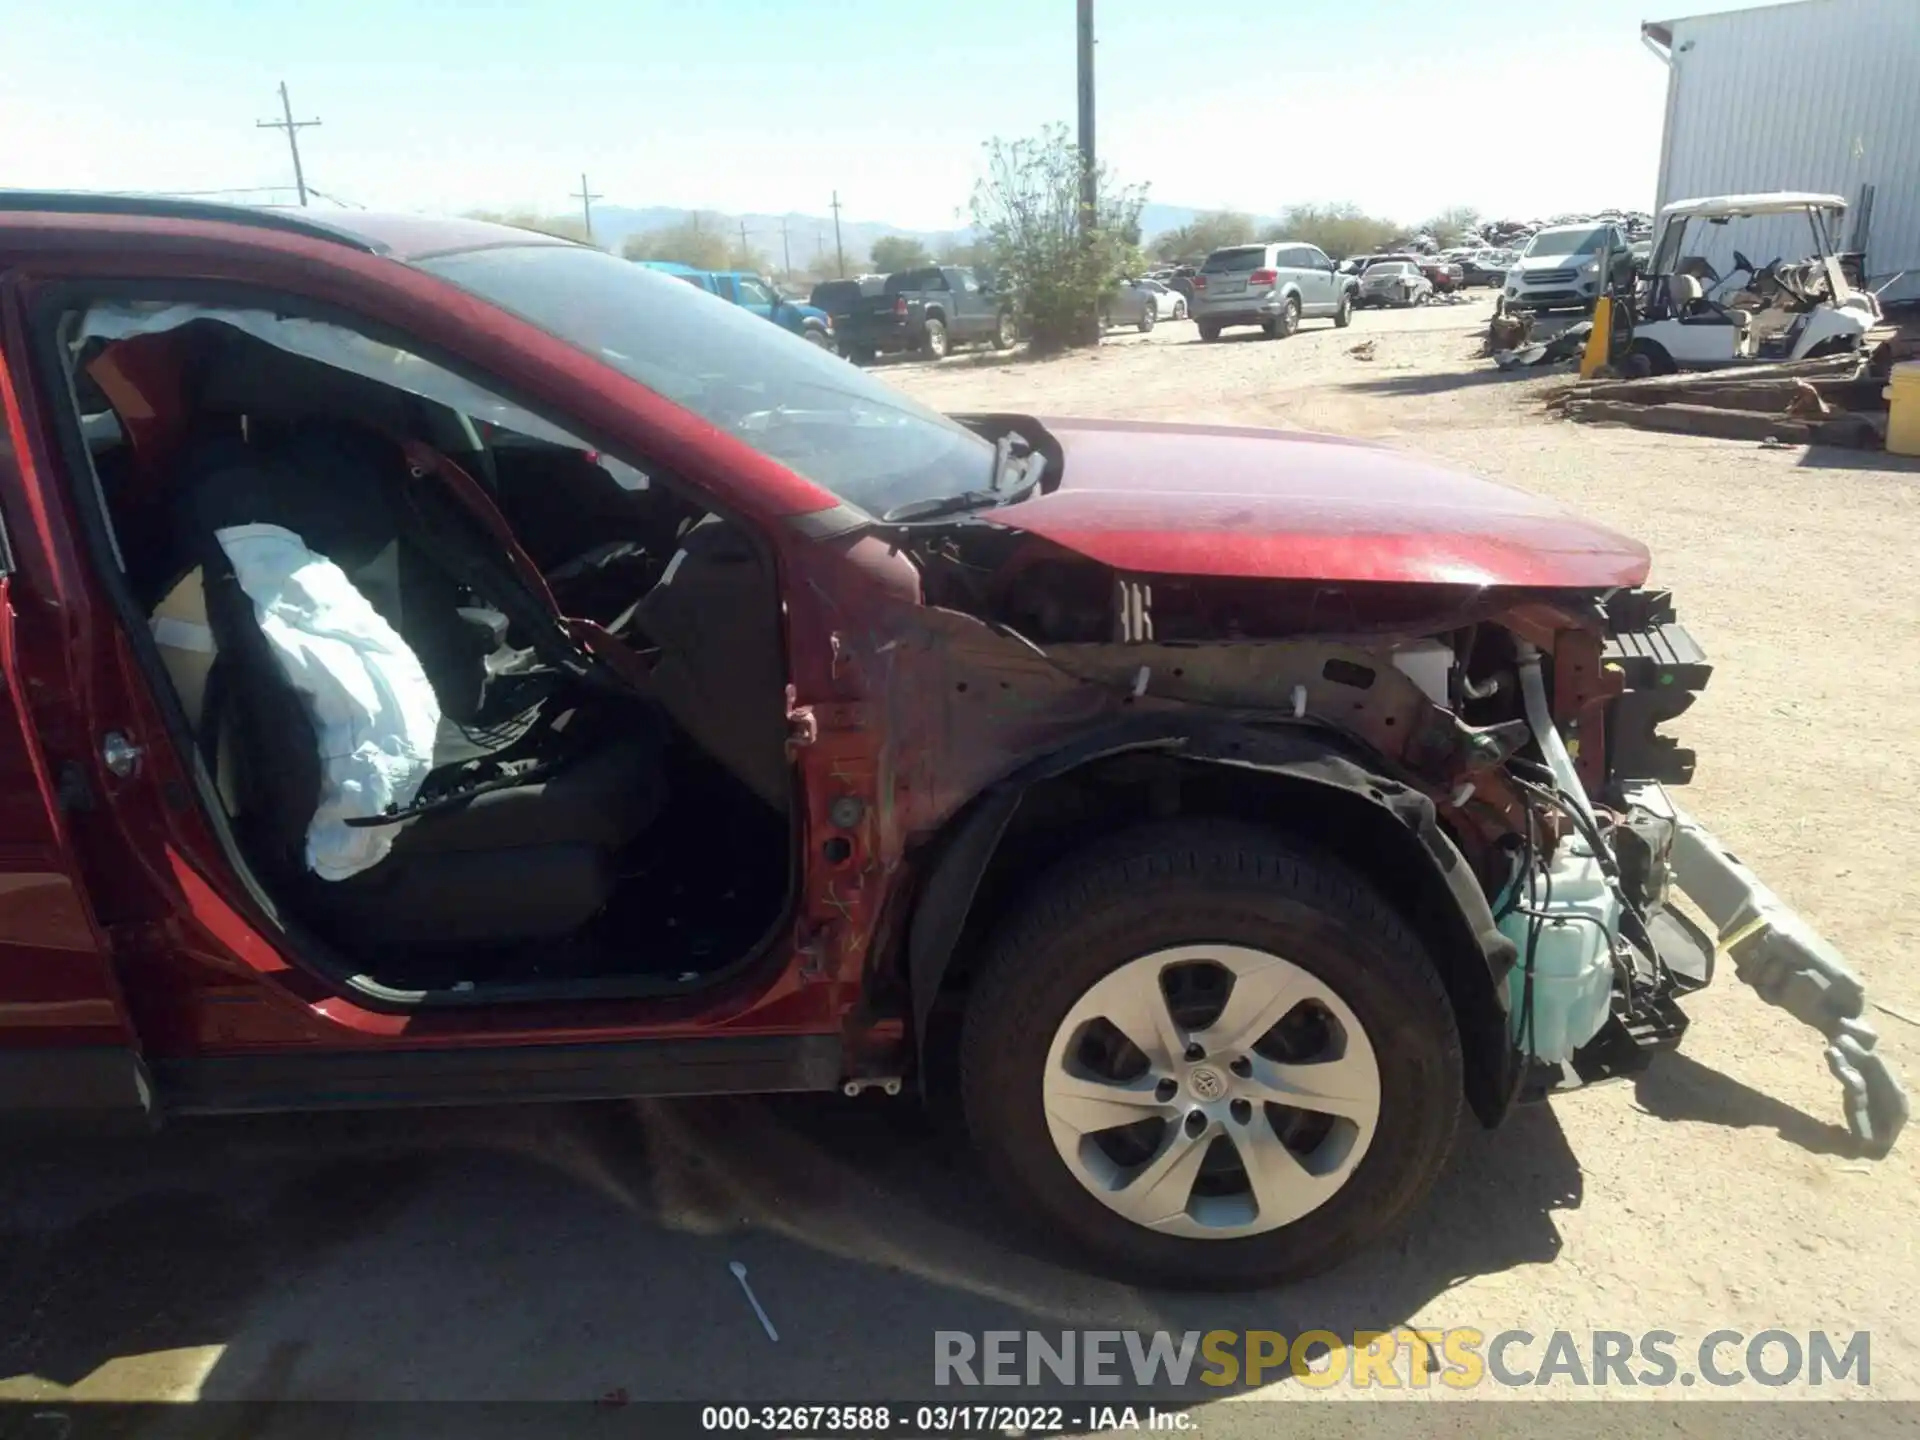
404, 237
1773, 202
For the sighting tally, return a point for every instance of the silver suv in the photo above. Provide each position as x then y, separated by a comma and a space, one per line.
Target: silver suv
1274, 286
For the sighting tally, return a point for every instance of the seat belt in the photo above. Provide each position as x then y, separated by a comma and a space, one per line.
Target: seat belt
597, 646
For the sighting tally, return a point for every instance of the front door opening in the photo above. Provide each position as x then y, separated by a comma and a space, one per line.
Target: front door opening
388, 604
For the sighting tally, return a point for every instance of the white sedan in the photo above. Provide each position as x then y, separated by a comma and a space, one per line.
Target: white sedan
1167, 304
1141, 303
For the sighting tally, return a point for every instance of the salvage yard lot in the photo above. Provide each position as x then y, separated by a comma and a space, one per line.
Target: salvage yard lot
582, 1252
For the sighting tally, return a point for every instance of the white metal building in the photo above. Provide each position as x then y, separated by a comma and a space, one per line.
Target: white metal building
1820, 95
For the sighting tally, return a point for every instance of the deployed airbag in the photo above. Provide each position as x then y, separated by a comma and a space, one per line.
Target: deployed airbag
373, 711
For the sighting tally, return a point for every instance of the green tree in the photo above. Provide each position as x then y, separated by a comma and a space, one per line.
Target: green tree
700, 241
1452, 225
564, 226
1340, 230
697, 241
1204, 234
1055, 261
899, 252
952, 250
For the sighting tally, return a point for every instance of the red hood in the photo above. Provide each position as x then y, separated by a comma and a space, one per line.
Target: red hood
1215, 500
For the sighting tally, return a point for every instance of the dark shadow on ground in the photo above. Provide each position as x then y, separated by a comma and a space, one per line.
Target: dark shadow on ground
1676, 1087
1440, 384
582, 1252
981, 359
1831, 457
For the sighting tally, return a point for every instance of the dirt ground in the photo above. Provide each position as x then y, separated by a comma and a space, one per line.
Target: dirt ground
576, 1253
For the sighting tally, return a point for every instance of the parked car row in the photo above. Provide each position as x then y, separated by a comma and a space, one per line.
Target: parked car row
926, 312
752, 292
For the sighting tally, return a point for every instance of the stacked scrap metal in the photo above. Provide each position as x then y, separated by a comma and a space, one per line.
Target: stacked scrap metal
1832, 401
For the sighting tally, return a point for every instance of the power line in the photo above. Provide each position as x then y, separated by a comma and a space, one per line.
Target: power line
1089, 185
586, 198
293, 128
839, 254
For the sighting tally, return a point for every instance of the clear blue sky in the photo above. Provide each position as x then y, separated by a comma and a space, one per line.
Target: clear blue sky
1400, 105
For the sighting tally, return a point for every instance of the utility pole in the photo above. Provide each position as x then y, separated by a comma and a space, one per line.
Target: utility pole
586, 198
743, 242
839, 254
1089, 189
293, 128
786, 252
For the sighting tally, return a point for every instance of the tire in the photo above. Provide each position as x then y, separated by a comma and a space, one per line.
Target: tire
1286, 322
1005, 332
814, 335
1148, 318
858, 354
1647, 357
1180, 309
936, 345
1343, 314
1208, 333
1229, 890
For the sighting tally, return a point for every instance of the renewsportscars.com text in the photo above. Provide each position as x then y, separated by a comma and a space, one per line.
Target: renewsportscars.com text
1460, 1359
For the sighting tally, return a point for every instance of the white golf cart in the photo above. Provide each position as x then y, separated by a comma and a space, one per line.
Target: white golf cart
1691, 316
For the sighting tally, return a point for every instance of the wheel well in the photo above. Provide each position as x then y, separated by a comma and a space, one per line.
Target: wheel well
1662, 363
934, 312
1063, 814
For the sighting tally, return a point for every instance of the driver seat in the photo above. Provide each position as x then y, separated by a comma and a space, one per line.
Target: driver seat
515, 829
1691, 305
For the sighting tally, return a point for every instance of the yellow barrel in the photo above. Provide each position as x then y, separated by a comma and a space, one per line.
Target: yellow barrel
1903, 414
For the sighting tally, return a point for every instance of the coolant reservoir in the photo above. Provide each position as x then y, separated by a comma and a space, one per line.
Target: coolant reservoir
1573, 971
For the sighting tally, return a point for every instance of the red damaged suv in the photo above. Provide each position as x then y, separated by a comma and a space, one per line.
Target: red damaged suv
445, 664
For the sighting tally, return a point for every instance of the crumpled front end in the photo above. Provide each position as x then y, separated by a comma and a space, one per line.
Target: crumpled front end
1606, 953
1527, 719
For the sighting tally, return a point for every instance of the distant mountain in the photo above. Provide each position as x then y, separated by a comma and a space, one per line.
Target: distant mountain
811, 235
806, 237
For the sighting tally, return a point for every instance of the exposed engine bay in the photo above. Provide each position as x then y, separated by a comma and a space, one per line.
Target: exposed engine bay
1528, 718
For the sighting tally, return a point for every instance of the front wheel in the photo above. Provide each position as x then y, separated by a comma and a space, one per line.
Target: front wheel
1343, 316
814, 335
1210, 1057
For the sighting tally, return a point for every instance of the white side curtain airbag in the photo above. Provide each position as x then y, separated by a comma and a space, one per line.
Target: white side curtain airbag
372, 709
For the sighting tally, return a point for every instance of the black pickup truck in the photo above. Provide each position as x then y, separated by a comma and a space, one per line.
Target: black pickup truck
928, 311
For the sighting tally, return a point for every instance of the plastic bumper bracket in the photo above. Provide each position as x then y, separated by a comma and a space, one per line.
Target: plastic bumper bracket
1780, 955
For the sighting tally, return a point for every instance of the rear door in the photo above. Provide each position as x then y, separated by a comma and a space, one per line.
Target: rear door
1326, 289
1292, 265
67, 1046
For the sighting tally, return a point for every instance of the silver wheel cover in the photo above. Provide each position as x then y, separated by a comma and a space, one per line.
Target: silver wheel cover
1210, 1084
